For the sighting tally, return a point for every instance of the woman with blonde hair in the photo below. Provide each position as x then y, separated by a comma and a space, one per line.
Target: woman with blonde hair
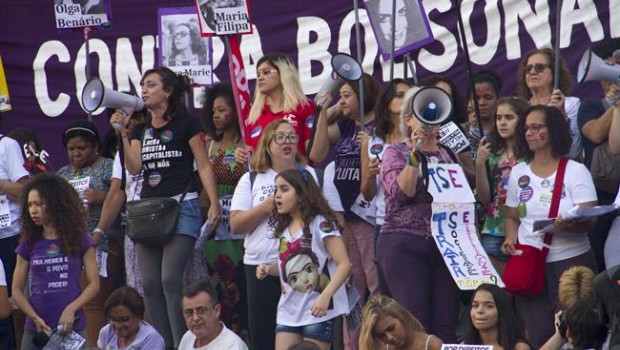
278, 95
252, 206
384, 321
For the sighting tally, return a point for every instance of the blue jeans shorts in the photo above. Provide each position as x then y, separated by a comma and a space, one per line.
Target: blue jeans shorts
322, 331
190, 218
492, 245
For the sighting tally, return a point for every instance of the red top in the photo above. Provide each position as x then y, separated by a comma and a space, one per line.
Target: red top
301, 119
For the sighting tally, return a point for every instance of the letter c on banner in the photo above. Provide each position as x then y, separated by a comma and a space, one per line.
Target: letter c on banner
51, 108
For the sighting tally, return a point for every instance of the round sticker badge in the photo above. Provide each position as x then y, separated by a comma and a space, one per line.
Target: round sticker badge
376, 149
526, 194
522, 209
545, 183
154, 179
524, 181
326, 227
166, 136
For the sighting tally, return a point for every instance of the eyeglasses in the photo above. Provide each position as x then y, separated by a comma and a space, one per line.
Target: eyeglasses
199, 311
120, 320
538, 67
534, 128
180, 35
265, 72
283, 138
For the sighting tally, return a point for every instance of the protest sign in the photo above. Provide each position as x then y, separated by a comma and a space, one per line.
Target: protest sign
182, 49
411, 25
451, 136
447, 183
224, 17
465, 347
454, 231
94, 13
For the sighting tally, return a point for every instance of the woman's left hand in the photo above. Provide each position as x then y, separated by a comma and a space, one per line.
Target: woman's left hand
67, 318
319, 308
94, 196
214, 215
557, 100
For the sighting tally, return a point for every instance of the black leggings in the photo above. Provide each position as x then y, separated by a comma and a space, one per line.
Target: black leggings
263, 297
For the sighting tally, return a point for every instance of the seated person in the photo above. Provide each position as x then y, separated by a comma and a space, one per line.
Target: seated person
126, 329
578, 326
202, 312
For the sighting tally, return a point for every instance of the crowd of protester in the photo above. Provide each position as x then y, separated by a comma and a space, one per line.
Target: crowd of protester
318, 236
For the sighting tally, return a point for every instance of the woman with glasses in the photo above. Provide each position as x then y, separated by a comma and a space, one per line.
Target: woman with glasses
278, 95
530, 188
126, 328
535, 85
252, 206
187, 48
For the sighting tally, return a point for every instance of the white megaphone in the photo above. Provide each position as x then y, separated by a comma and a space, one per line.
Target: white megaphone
431, 106
345, 68
96, 95
591, 67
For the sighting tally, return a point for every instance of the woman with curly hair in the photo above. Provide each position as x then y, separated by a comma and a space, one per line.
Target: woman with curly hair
385, 322
187, 47
493, 320
53, 250
312, 262
252, 205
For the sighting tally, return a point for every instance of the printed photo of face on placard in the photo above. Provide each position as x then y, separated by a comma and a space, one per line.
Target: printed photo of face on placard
410, 22
81, 13
218, 17
182, 49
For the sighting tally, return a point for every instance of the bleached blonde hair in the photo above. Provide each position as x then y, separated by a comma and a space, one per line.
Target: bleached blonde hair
292, 93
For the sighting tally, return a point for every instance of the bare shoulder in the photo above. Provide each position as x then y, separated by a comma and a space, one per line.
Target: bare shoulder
434, 343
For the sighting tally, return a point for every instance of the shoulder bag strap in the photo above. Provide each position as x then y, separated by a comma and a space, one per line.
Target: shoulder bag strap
555, 200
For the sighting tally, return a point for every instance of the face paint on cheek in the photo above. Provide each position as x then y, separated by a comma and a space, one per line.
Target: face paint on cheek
542, 136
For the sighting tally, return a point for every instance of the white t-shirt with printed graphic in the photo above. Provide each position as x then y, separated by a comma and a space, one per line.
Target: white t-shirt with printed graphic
11, 169
536, 192
308, 274
260, 244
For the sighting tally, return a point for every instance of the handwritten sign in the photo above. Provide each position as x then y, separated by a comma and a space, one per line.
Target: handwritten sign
448, 184
451, 136
454, 232
465, 347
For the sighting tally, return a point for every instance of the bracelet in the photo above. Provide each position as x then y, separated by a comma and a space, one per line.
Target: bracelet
413, 159
98, 230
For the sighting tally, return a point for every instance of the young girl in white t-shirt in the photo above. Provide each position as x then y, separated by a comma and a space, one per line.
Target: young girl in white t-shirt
312, 262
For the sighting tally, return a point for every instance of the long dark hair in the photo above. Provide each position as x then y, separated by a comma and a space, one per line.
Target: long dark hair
63, 208
225, 91
371, 90
383, 120
312, 202
498, 144
509, 329
176, 86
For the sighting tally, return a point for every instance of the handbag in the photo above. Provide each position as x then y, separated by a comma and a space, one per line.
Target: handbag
524, 274
151, 221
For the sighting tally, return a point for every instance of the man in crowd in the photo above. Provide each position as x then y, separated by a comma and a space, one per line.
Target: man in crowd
202, 317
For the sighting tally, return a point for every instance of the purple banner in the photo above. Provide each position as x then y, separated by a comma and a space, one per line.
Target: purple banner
46, 71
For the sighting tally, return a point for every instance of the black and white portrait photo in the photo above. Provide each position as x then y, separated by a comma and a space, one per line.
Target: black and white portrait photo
219, 17
182, 49
410, 23
81, 13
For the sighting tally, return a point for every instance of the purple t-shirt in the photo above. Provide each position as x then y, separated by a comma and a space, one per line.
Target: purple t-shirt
347, 164
55, 279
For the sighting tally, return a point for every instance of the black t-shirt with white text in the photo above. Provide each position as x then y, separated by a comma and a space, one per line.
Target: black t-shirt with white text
167, 159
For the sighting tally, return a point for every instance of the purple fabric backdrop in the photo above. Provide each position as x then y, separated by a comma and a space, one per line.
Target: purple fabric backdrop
41, 63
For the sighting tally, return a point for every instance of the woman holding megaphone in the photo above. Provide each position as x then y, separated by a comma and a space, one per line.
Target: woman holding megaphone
166, 148
405, 246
